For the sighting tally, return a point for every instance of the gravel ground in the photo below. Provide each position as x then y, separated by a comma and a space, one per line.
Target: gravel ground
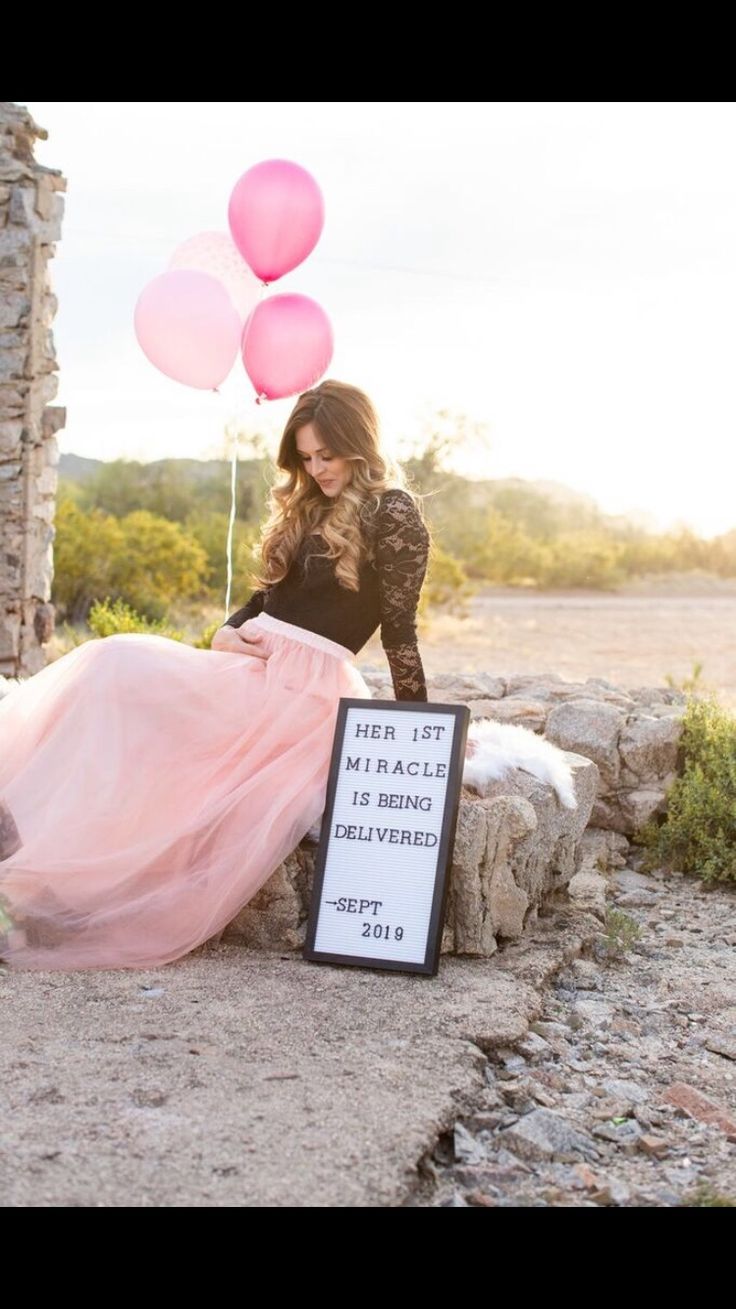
623, 1092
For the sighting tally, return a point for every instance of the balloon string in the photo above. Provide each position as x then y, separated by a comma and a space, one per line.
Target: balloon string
249, 323
231, 525
233, 472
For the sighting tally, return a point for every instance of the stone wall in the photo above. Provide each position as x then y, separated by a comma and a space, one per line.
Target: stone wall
632, 734
516, 848
31, 209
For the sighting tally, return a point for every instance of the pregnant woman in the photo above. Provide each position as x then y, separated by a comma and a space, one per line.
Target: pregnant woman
148, 789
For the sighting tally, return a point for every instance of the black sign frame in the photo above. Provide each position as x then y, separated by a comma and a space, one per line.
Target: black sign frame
430, 965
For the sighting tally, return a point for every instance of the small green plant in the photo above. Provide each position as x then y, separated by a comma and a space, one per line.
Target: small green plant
447, 582
205, 640
106, 619
621, 932
73, 635
690, 684
706, 1196
6, 921
699, 831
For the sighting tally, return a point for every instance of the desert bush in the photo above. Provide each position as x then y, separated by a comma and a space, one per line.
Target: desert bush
107, 617
698, 833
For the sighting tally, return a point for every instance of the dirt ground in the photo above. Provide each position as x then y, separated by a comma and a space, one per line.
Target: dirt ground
635, 638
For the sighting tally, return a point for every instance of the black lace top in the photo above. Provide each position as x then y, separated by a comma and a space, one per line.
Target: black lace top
310, 595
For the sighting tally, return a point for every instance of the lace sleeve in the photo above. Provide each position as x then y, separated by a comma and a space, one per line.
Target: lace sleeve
249, 610
402, 549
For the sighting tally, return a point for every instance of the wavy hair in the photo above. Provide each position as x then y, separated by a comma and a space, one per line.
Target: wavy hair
346, 421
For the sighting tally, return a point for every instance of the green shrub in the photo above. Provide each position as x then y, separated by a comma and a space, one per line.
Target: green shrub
621, 932
87, 547
210, 531
106, 618
446, 583
159, 563
698, 834
693, 682
146, 561
706, 1196
74, 635
205, 640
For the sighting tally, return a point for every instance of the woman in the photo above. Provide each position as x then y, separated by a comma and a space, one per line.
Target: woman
148, 789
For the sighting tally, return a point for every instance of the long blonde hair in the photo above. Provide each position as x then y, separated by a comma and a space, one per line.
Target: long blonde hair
347, 422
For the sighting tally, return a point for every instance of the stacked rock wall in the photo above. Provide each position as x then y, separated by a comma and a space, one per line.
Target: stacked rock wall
31, 209
516, 847
631, 734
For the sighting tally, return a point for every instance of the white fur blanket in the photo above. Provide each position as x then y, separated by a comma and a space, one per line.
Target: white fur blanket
499, 748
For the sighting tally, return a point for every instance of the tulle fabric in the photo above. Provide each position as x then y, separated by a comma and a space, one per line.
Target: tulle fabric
148, 789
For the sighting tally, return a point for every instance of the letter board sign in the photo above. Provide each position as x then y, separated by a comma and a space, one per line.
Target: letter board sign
383, 861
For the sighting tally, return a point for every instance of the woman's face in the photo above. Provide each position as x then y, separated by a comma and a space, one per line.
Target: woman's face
327, 469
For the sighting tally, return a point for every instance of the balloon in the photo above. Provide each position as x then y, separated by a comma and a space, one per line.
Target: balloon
188, 327
214, 253
276, 214
287, 345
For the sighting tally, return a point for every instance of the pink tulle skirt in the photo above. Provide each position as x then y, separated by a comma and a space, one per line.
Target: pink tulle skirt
148, 789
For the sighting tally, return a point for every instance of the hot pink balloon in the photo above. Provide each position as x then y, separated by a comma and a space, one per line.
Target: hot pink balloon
276, 214
188, 327
215, 253
287, 345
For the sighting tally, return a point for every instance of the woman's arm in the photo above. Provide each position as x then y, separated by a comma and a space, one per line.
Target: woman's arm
224, 638
402, 551
254, 606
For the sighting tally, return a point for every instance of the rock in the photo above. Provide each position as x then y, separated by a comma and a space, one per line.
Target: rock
594, 1013
467, 1149
602, 850
586, 974
627, 1133
611, 1192
649, 746
641, 804
533, 1046
628, 880
544, 1134
701, 1107
587, 890
656, 1146
488, 1199
512, 709
637, 899
551, 1031
723, 1045
541, 1096
590, 728
630, 1092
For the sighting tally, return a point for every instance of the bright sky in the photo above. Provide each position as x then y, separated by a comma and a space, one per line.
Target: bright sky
562, 274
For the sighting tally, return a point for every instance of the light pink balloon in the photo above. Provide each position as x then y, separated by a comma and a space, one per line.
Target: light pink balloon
276, 214
188, 327
215, 253
287, 345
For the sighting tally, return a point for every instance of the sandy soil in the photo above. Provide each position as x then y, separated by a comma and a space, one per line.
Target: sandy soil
635, 639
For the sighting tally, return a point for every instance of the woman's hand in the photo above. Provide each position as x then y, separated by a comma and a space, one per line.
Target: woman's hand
233, 640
